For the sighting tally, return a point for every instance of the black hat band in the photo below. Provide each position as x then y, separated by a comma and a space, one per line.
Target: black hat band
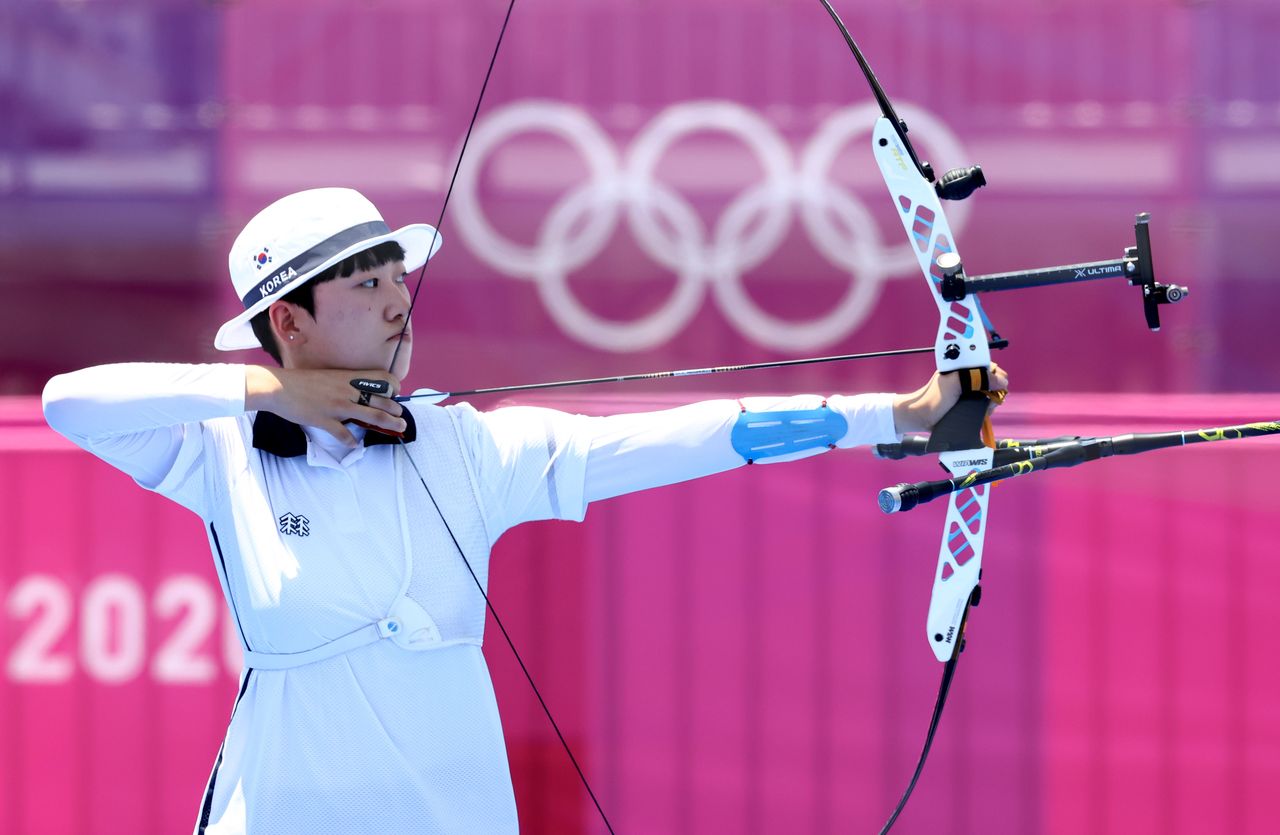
312, 258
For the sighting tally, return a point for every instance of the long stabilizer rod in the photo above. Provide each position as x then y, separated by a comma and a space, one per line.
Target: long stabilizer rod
1052, 455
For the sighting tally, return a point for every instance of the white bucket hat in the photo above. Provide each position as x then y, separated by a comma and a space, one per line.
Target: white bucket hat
296, 237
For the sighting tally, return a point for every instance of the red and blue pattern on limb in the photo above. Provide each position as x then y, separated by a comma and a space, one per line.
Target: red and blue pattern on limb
966, 523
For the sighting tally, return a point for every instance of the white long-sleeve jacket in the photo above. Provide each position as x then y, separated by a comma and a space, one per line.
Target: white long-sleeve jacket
366, 705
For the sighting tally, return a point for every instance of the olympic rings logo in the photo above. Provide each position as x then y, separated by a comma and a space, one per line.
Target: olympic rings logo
664, 223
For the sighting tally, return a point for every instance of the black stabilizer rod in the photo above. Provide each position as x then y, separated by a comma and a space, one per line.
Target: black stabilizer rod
1056, 454
1008, 450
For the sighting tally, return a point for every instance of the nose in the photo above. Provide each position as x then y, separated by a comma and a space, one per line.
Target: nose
398, 301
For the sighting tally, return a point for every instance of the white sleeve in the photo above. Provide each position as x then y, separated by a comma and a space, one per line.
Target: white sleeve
528, 462
634, 452
145, 418
534, 463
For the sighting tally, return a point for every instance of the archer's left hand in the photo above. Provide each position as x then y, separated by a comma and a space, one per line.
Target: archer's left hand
920, 410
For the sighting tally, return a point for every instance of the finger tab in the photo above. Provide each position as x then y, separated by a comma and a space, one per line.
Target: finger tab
367, 386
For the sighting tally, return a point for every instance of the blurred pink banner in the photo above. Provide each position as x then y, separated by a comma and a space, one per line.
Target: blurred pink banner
745, 653
650, 184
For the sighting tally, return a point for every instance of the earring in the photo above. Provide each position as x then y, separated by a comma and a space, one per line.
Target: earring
290, 337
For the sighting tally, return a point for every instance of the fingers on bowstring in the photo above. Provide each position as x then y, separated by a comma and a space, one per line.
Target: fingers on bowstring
391, 380
380, 418
382, 403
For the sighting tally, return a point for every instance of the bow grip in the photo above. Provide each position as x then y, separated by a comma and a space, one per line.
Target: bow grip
961, 427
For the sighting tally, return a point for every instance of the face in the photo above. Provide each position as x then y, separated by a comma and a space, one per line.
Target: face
357, 323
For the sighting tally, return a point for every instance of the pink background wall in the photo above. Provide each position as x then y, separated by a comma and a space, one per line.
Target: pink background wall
743, 653
713, 675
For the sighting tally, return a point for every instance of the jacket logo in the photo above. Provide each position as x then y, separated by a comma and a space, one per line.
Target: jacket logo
295, 524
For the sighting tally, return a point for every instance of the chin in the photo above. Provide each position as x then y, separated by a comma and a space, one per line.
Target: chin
403, 361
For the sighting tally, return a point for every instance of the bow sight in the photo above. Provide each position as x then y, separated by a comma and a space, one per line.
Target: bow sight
1135, 266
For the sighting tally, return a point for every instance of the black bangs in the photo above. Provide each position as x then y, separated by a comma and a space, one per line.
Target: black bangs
372, 258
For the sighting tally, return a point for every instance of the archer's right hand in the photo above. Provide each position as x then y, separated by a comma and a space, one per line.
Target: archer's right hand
324, 398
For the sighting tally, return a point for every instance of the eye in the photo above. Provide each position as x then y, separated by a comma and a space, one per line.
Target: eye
370, 283
404, 277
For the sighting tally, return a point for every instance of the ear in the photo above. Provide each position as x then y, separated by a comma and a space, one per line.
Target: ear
289, 323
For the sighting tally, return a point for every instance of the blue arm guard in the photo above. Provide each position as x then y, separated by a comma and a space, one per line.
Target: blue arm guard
759, 435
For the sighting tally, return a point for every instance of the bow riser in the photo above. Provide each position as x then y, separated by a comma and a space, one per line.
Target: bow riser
962, 342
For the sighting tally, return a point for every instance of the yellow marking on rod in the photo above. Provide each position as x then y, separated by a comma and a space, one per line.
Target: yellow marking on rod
1235, 433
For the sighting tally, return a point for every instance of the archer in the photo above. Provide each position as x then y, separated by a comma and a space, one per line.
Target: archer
351, 533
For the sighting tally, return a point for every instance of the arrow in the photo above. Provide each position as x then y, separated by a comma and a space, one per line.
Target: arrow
433, 396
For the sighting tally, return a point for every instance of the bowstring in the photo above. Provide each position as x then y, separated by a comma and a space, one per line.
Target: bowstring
528, 677
435, 235
413, 300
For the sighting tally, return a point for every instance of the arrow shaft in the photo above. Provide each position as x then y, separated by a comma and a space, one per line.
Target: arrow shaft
686, 372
